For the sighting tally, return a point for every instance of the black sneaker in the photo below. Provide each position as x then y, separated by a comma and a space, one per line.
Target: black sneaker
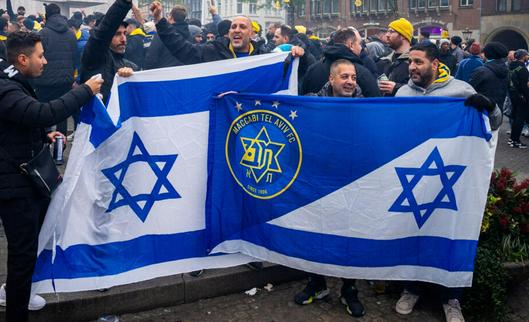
509, 142
352, 304
519, 145
311, 293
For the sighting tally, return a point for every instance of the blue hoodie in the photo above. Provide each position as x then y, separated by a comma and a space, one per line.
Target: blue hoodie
467, 66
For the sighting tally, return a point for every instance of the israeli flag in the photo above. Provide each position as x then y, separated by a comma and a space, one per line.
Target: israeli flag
132, 204
386, 189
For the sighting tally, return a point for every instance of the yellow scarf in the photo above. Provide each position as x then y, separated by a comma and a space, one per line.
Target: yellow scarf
233, 51
3, 38
78, 34
443, 73
137, 31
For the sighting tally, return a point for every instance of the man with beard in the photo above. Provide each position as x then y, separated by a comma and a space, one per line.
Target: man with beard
429, 77
23, 120
104, 51
239, 43
398, 37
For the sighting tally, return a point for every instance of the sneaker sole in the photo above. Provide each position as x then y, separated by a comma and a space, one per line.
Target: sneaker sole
403, 312
31, 308
317, 297
344, 302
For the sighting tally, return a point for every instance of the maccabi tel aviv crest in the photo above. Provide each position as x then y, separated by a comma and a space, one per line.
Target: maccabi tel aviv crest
263, 152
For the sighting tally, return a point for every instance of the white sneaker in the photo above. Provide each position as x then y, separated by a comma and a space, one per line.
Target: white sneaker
453, 311
406, 303
36, 302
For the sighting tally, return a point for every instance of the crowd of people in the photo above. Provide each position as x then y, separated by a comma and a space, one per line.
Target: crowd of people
51, 66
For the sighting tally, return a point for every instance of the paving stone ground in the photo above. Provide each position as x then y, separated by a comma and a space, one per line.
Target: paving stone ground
278, 305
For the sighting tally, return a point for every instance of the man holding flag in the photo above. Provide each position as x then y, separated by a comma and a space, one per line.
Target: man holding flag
429, 77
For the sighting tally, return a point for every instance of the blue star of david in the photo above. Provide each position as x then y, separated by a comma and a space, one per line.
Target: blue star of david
424, 211
160, 165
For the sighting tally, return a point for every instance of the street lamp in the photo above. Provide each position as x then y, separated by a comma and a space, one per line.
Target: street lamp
467, 33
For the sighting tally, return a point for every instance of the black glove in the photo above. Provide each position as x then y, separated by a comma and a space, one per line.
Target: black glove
480, 103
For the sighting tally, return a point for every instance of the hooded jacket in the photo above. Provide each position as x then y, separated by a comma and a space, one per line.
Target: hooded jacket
158, 56
60, 49
397, 70
318, 73
189, 53
467, 67
491, 80
446, 85
135, 51
97, 57
449, 61
22, 122
518, 78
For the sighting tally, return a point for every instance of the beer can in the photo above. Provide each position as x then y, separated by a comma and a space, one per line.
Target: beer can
58, 149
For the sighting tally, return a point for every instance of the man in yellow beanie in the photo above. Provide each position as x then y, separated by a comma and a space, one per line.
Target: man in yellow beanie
398, 37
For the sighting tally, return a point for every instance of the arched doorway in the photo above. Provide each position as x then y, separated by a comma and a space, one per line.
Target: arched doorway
510, 38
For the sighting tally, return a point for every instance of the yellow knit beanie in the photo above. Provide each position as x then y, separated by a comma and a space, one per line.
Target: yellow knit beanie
403, 27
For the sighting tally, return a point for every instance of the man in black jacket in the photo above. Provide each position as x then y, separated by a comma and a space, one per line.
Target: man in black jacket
519, 95
238, 44
346, 46
342, 83
491, 79
22, 122
135, 51
399, 37
104, 51
158, 56
60, 46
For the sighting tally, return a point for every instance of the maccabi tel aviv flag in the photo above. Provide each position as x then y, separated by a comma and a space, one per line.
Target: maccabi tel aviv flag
388, 189
132, 203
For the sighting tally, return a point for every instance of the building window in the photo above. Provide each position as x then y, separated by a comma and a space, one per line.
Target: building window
335, 6
301, 9
466, 3
239, 7
252, 7
413, 4
327, 6
381, 5
315, 7
516, 5
444, 3
501, 5
421, 4
433, 3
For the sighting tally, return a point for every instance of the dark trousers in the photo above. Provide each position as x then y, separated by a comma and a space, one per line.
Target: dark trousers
49, 93
447, 293
520, 113
22, 219
319, 282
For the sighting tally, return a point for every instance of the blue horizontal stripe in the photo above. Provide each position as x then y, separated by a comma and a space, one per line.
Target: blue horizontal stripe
424, 251
117, 257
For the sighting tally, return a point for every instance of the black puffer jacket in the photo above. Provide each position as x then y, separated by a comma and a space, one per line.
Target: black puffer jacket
60, 48
491, 80
450, 61
158, 56
318, 73
22, 123
97, 57
397, 71
189, 53
135, 51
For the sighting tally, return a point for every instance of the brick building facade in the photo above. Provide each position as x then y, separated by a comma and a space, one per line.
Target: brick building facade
478, 19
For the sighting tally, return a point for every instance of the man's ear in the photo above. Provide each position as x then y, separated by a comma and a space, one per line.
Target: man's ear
22, 59
435, 64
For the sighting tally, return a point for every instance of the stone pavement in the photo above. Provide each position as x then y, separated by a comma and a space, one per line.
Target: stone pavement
278, 305
274, 306
515, 159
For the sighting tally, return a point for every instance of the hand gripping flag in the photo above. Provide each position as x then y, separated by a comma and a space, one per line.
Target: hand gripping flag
132, 204
390, 189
